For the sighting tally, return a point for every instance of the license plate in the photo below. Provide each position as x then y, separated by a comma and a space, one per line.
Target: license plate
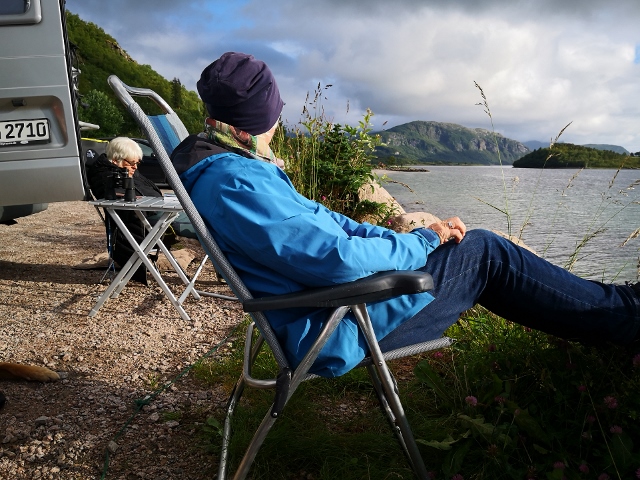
22, 132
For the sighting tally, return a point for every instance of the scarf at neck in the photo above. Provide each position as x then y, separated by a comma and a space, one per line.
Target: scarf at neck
229, 136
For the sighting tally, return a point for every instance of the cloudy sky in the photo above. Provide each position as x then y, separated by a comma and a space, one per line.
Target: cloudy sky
541, 64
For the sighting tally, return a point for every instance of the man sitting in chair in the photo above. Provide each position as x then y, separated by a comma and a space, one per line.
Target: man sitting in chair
281, 242
121, 159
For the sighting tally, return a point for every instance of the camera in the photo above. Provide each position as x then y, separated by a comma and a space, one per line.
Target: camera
119, 180
129, 190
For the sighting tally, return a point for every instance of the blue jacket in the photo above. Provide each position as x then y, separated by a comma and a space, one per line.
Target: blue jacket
281, 242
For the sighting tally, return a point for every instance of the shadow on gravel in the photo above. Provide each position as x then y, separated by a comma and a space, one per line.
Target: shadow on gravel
43, 272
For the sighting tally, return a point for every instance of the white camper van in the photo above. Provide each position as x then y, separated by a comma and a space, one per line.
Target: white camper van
40, 159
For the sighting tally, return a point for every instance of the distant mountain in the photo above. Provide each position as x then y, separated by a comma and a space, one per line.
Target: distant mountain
533, 144
611, 148
422, 142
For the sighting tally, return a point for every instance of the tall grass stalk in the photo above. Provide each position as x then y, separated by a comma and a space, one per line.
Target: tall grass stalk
596, 226
485, 105
598, 223
530, 209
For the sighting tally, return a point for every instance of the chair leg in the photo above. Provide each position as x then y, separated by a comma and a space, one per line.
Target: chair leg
390, 392
234, 399
386, 409
254, 445
268, 421
251, 354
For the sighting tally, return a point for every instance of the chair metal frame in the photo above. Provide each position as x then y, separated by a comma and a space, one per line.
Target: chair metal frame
338, 300
162, 145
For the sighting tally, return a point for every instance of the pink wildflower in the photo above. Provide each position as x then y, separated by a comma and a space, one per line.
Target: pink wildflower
499, 399
388, 222
558, 465
323, 198
591, 419
531, 473
584, 468
604, 476
457, 476
638, 473
616, 429
636, 363
438, 355
611, 402
582, 388
471, 400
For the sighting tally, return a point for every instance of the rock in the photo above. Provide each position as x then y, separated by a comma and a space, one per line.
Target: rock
408, 221
97, 262
112, 446
183, 257
515, 240
375, 193
41, 421
405, 222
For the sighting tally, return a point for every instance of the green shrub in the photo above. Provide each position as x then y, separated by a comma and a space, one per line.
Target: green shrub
329, 162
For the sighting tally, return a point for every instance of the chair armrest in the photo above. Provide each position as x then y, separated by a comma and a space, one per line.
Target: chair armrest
377, 287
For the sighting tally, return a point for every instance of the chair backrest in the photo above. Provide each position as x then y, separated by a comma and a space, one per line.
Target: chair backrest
171, 131
125, 94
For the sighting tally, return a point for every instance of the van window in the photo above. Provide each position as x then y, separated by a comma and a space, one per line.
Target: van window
16, 12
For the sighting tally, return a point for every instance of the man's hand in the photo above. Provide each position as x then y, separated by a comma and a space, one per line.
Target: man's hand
449, 229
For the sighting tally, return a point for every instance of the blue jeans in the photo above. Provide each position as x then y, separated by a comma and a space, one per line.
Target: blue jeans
517, 285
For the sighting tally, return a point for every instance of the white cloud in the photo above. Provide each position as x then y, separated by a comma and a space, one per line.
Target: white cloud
541, 64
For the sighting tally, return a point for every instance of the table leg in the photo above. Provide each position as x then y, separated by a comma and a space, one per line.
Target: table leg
141, 251
173, 262
140, 256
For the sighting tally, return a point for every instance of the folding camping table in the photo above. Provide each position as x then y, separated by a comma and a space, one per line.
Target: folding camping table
170, 208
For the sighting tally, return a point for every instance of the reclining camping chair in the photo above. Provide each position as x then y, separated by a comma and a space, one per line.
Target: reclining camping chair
164, 132
337, 300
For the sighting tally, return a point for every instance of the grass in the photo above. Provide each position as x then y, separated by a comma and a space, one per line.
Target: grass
330, 429
504, 402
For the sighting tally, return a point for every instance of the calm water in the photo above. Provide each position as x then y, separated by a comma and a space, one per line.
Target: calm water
561, 206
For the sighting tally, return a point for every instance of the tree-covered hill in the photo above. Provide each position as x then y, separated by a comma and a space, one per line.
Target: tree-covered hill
535, 144
567, 155
445, 143
98, 56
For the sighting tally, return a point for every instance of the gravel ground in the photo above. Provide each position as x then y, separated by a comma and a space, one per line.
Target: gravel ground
134, 344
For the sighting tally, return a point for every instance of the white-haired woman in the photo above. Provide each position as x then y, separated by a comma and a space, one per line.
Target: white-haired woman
122, 157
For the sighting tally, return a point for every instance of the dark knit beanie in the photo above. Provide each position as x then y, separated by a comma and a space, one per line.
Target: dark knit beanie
241, 91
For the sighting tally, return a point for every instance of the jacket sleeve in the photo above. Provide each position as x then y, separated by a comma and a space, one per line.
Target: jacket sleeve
367, 230
268, 221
